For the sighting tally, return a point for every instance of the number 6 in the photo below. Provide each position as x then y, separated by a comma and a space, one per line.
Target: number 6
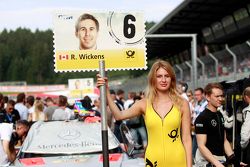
129, 29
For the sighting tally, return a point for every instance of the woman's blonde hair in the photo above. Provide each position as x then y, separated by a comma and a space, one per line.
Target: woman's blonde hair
151, 91
39, 107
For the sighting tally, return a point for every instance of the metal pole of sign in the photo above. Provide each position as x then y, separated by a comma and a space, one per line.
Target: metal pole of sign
105, 150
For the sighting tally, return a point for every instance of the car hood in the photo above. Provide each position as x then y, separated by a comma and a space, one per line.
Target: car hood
73, 143
60, 137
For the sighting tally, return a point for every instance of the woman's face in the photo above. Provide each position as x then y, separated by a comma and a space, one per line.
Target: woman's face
163, 80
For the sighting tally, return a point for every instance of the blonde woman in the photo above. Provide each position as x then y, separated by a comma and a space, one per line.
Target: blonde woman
38, 114
166, 115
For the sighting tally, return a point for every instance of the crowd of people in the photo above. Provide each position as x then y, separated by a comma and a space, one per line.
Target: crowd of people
175, 126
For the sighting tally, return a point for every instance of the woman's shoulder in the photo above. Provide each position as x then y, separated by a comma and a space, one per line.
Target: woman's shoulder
182, 102
141, 104
184, 105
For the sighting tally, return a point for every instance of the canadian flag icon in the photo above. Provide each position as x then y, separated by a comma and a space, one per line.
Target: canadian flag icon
63, 57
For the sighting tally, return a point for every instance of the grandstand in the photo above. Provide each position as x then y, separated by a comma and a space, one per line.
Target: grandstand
223, 49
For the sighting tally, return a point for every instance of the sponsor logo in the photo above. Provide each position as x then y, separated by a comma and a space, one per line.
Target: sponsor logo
213, 123
69, 134
199, 125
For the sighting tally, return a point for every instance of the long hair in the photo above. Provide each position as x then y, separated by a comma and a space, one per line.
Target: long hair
39, 107
151, 91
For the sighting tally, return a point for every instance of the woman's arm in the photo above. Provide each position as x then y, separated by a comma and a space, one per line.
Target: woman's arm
185, 132
137, 109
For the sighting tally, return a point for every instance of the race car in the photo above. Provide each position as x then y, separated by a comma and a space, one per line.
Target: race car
71, 144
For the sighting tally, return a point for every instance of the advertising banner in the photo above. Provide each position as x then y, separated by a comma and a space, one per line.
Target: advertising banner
80, 87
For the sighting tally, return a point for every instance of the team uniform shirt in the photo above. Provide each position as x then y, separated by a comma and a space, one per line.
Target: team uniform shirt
165, 147
211, 124
5, 134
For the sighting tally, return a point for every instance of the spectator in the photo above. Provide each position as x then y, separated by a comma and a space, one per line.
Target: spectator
30, 105
1, 102
228, 120
38, 114
5, 100
200, 105
117, 122
9, 138
63, 112
245, 129
50, 109
9, 114
191, 98
20, 106
120, 98
130, 100
86, 103
182, 88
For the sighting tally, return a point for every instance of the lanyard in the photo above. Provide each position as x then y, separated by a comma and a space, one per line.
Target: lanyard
9, 117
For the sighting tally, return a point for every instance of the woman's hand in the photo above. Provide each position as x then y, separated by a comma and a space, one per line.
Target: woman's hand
101, 81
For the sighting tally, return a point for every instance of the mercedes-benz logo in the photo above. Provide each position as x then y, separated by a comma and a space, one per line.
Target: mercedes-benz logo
69, 134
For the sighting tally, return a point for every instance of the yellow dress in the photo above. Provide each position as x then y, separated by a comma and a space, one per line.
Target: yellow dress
165, 148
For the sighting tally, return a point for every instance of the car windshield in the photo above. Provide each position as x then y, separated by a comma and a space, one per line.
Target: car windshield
60, 137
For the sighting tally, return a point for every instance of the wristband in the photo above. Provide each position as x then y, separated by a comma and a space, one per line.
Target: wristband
232, 159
